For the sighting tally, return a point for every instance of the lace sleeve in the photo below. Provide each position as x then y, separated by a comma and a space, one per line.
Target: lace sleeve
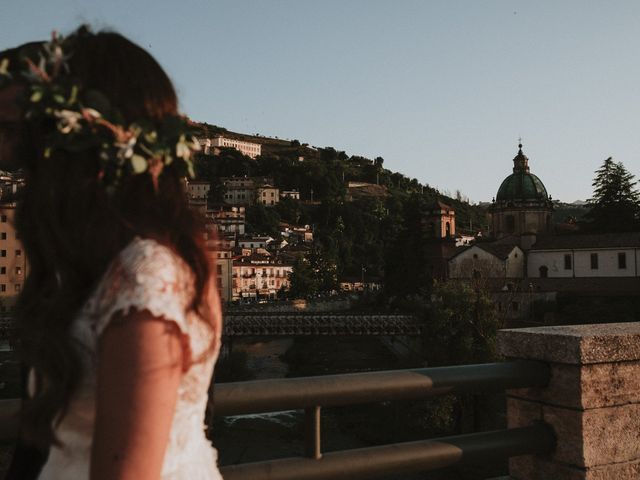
145, 276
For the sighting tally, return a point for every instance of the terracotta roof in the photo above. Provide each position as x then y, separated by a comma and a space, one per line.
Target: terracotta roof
578, 241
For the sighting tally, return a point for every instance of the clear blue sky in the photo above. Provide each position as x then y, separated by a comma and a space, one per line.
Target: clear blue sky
441, 89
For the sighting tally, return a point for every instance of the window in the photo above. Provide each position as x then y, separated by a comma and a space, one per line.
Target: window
3, 270
17, 287
3, 287
18, 252
567, 261
3, 236
514, 306
622, 260
3, 253
18, 270
3, 218
594, 261
219, 267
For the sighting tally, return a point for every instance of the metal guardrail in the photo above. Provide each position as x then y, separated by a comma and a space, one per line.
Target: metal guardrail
311, 393
401, 458
261, 396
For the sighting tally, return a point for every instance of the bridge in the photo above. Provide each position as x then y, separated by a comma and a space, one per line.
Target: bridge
299, 324
308, 324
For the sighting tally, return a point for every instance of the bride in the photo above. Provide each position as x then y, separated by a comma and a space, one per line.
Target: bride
119, 316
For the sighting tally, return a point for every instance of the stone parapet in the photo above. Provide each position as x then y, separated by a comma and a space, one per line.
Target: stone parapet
592, 400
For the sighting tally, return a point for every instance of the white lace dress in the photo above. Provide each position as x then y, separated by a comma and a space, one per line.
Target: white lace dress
145, 275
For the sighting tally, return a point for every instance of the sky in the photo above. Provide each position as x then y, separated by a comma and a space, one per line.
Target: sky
442, 90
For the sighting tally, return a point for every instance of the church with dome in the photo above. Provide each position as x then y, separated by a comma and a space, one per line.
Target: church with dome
522, 205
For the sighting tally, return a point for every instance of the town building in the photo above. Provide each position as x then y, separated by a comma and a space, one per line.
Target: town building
293, 194
522, 204
252, 243
239, 190
487, 260
198, 190
296, 233
229, 220
267, 195
245, 190
585, 256
13, 260
439, 238
258, 276
211, 146
222, 263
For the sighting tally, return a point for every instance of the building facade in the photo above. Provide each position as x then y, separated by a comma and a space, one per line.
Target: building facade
209, 146
198, 190
487, 260
255, 278
268, 195
585, 256
13, 261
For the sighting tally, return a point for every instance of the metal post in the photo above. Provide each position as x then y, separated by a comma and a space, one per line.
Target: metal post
312, 444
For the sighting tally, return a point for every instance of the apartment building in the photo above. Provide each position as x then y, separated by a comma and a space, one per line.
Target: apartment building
13, 261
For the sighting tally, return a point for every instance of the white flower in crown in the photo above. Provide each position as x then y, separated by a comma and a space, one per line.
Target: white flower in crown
183, 149
68, 121
4, 67
125, 149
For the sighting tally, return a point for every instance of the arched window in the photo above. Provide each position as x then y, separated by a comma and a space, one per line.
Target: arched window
544, 271
448, 229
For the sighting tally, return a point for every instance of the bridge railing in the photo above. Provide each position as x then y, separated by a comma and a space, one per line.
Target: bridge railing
312, 393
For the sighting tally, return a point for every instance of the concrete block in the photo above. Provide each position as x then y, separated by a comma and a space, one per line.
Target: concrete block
573, 344
595, 437
590, 386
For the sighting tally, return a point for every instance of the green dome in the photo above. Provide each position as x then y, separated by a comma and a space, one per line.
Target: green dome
521, 184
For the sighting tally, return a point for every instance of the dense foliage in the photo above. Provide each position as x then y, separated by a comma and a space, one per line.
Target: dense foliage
615, 205
375, 235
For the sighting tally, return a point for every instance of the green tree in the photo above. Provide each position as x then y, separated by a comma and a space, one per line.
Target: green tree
303, 280
262, 220
615, 205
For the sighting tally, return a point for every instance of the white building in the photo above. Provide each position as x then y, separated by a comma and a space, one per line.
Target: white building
198, 190
254, 242
487, 260
209, 146
267, 195
294, 194
582, 256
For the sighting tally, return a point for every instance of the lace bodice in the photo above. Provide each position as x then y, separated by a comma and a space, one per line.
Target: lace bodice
144, 276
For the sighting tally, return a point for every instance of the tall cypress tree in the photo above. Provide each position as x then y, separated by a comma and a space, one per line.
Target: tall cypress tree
615, 205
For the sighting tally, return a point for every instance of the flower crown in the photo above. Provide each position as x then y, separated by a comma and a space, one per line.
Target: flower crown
84, 119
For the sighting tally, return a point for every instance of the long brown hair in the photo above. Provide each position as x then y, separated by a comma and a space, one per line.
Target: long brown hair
71, 229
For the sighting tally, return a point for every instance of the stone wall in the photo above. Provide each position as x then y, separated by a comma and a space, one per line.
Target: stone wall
592, 401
